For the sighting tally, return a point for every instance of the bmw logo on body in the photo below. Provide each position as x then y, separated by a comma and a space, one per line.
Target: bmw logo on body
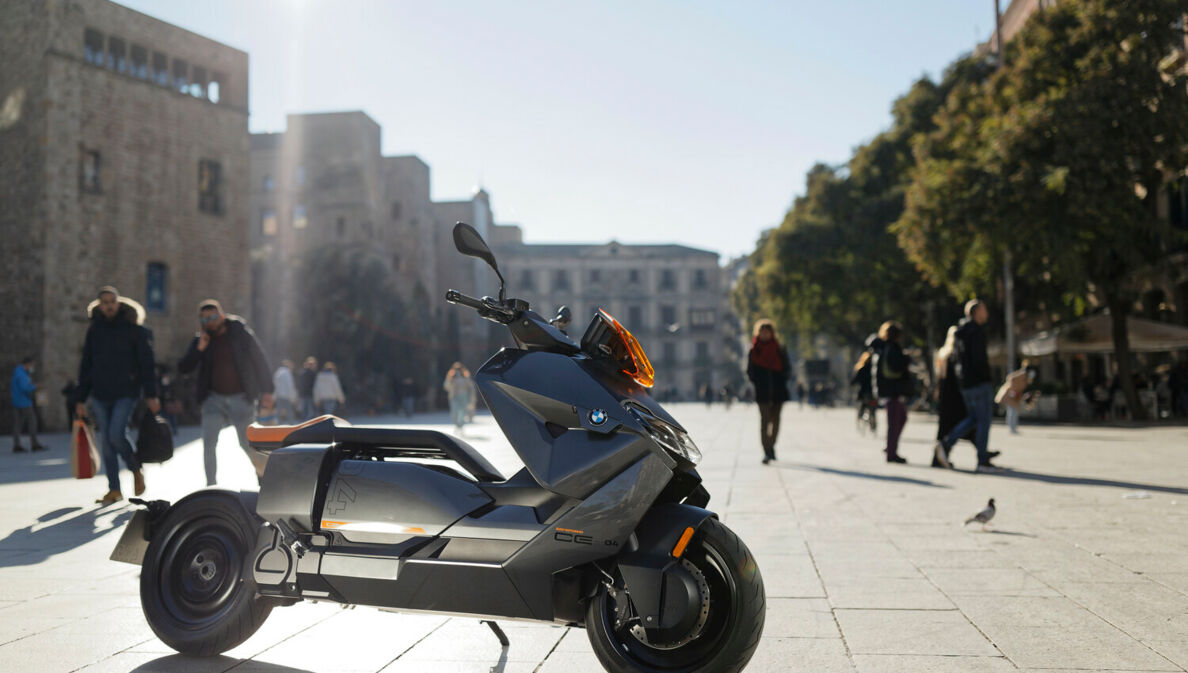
598, 416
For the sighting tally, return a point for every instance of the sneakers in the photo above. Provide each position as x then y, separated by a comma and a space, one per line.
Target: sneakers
988, 468
138, 482
40, 447
18, 449
896, 459
109, 498
940, 456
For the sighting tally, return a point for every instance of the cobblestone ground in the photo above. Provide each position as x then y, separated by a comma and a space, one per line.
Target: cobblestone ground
867, 565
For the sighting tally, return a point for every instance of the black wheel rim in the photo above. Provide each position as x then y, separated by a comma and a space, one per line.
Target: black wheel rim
722, 617
202, 571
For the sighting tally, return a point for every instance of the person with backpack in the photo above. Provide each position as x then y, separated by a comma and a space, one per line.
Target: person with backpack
971, 364
768, 369
892, 383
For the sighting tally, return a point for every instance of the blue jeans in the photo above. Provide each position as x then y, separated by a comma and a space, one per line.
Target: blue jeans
979, 404
458, 410
284, 411
328, 406
112, 419
219, 411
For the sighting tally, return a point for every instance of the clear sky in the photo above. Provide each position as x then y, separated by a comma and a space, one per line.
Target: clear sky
643, 121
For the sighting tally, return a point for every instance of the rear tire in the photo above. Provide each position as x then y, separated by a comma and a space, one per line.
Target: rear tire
193, 588
730, 633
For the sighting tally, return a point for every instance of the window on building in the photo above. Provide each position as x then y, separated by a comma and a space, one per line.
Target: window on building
299, 219
526, 280
268, 223
88, 171
214, 88
560, 280
667, 279
633, 276
701, 318
210, 187
595, 275
702, 352
340, 226
269, 184
160, 69
198, 82
699, 279
668, 353
117, 57
667, 316
157, 278
181, 76
395, 210
635, 317
93, 46
139, 68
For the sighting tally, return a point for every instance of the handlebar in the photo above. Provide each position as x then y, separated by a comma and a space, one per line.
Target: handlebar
487, 307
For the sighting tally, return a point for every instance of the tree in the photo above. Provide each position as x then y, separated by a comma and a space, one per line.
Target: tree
1059, 157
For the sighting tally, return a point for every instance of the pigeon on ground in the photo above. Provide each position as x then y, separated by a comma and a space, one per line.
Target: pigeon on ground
983, 517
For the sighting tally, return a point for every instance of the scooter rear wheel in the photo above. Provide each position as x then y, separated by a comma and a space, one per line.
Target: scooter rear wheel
724, 641
193, 588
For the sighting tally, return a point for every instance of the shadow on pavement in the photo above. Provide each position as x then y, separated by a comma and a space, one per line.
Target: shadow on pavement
863, 475
1087, 481
179, 662
38, 545
991, 531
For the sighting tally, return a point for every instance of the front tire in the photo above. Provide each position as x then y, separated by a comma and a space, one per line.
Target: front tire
724, 641
195, 594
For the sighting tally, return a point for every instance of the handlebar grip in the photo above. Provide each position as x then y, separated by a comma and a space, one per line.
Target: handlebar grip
456, 297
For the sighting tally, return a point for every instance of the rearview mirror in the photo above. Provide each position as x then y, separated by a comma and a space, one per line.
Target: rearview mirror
470, 243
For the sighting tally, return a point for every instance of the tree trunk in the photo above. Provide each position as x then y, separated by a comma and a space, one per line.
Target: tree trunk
1118, 311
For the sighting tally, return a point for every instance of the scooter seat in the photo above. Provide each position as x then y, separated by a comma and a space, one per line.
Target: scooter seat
396, 441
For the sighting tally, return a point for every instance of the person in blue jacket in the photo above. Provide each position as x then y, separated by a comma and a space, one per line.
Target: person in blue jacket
24, 416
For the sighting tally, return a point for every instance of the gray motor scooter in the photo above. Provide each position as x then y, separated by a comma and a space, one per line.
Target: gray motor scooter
604, 527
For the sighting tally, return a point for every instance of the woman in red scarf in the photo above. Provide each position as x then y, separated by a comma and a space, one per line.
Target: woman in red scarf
768, 370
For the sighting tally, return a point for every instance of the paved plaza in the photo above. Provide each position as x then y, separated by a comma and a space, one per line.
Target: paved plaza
867, 565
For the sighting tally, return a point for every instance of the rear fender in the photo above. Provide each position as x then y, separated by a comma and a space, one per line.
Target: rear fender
139, 532
647, 568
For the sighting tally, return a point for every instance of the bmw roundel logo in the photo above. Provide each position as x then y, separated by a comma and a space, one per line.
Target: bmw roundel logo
598, 416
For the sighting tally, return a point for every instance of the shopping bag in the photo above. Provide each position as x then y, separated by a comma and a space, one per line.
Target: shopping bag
84, 454
154, 443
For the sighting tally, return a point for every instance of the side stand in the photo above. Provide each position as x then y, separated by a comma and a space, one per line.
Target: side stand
498, 632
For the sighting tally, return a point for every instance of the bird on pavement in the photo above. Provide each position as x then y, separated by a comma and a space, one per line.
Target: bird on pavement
983, 517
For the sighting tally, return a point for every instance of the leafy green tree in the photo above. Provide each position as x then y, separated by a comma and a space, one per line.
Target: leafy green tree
1059, 157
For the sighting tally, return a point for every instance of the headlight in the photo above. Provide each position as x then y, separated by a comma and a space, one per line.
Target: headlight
673, 439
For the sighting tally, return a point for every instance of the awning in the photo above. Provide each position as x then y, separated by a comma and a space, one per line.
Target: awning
1094, 335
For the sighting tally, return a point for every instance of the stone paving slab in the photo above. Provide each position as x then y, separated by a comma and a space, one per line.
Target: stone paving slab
866, 564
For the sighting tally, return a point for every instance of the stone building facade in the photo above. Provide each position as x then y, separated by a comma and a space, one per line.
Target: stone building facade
673, 298
323, 184
123, 161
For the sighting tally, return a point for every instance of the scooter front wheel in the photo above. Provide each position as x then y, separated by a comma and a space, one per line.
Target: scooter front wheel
723, 641
195, 594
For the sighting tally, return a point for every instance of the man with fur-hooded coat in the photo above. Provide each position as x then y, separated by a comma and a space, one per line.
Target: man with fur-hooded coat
117, 367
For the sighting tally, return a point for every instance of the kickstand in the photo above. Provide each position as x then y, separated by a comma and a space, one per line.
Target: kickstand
498, 632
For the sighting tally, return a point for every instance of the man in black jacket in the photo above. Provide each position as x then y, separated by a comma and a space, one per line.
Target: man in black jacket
972, 367
117, 367
232, 374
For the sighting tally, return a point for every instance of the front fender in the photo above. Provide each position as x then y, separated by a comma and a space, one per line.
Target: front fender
644, 568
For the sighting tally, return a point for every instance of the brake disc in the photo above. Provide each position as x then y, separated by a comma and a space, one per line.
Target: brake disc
703, 589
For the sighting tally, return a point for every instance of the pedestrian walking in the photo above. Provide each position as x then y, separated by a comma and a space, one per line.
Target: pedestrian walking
232, 374
305, 386
1010, 394
972, 368
117, 367
284, 392
862, 380
459, 387
24, 418
950, 406
406, 392
892, 383
800, 394
327, 390
169, 404
768, 369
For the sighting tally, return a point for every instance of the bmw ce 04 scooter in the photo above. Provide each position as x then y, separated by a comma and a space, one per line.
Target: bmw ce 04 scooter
603, 528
